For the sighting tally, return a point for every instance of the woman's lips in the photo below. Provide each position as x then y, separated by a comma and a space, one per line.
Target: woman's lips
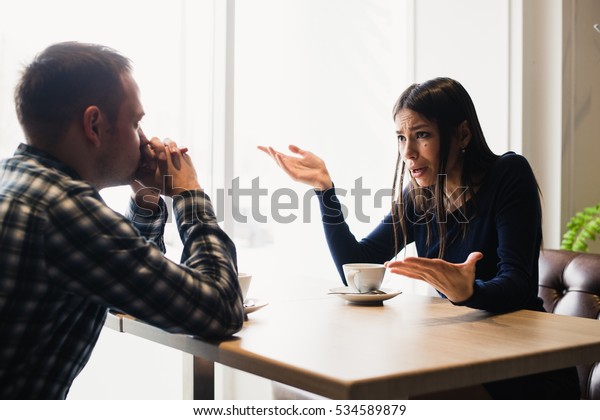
418, 172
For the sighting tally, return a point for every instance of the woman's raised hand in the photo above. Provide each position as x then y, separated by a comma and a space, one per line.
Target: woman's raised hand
308, 168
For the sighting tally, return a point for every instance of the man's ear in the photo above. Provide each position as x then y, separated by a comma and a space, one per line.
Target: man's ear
93, 120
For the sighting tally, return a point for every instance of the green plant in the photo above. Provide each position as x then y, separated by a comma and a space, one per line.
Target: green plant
582, 227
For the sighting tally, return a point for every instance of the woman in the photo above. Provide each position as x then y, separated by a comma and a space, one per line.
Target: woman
475, 217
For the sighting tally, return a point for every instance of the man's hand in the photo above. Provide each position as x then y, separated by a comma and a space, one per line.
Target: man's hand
165, 168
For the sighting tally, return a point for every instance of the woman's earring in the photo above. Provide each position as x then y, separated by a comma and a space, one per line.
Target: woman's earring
463, 150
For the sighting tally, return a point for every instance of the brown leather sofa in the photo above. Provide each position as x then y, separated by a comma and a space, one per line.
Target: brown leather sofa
570, 285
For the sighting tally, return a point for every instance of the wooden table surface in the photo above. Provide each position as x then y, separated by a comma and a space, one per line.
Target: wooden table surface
408, 346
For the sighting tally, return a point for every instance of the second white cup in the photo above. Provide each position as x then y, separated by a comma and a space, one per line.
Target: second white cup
244, 279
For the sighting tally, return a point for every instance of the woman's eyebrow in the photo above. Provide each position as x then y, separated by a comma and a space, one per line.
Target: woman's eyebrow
415, 127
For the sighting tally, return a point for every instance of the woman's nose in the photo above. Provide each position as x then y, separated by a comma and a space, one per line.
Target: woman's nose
410, 151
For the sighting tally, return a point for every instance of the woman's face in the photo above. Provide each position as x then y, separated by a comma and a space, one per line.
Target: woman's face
419, 142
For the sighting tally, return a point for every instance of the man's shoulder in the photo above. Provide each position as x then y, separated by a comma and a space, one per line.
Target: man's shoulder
27, 179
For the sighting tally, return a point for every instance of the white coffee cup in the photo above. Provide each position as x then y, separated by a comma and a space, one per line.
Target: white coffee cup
364, 277
244, 279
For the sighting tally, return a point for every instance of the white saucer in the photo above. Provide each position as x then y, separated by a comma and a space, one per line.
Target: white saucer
364, 298
258, 304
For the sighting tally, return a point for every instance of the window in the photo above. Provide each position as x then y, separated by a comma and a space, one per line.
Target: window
322, 75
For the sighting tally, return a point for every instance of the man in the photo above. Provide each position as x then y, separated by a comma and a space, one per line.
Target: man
65, 257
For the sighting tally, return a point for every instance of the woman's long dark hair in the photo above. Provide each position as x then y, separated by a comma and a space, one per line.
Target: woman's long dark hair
446, 103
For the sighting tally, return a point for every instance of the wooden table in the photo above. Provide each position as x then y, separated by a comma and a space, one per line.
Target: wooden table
410, 345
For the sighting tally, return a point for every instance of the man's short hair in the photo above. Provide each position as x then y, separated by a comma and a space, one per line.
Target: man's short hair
62, 81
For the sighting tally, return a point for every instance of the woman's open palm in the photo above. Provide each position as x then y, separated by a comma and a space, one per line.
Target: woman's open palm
453, 280
308, 168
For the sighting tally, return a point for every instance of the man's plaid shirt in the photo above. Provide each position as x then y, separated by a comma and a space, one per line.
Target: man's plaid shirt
65, 258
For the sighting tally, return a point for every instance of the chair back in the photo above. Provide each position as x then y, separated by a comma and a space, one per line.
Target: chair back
570, 285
